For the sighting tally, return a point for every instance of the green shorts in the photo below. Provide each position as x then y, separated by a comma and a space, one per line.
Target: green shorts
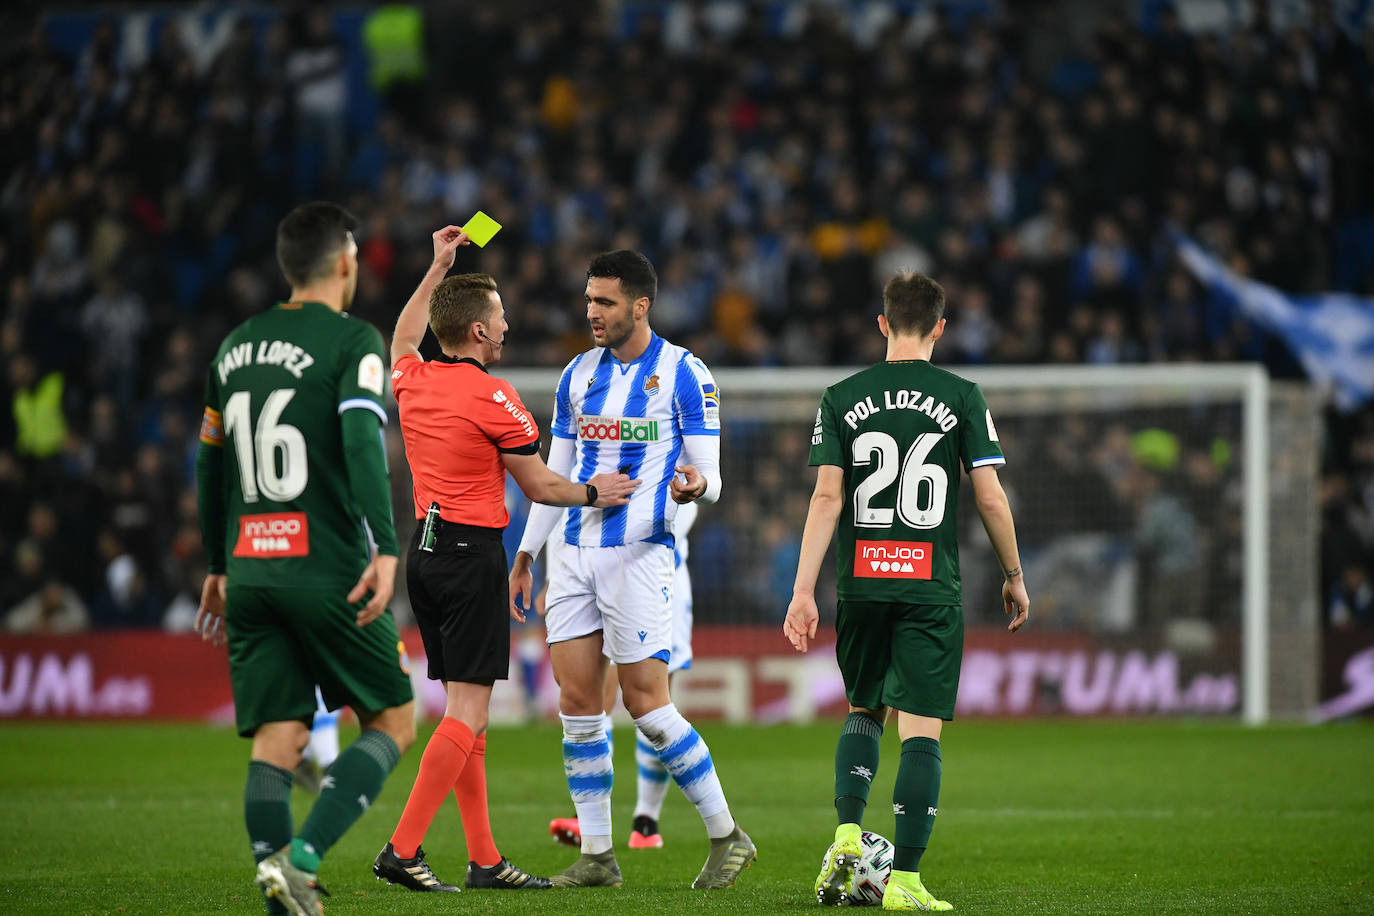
906, 656
285, 641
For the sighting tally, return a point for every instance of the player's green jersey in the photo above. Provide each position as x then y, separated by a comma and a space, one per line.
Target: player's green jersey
274, 396
901, 431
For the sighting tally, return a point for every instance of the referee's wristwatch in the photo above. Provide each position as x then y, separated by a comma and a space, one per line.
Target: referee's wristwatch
591, 494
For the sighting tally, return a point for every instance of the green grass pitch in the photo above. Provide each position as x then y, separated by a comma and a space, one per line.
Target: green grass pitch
1048, 817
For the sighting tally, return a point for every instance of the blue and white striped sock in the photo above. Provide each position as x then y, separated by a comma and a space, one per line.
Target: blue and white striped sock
688, 759
587, 763
652, 785
609, 725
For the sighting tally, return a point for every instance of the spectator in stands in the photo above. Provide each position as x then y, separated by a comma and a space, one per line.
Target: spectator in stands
1351, 602
54, 610
315, 72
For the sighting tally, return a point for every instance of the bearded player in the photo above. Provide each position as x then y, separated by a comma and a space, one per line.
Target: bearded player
639, 404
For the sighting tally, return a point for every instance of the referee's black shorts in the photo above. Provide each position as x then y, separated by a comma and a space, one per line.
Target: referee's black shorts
461, 599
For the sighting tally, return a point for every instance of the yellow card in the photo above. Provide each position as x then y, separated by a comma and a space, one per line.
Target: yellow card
481, 228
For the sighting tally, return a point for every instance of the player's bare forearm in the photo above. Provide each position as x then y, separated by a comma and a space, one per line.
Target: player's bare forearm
542, 485
827, 501
413, 321
995, 512
1001, 531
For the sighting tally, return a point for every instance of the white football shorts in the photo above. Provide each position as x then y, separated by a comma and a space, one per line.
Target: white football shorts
625, 592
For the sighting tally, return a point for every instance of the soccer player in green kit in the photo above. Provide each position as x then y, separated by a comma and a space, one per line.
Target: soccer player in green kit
890, 442
292, 487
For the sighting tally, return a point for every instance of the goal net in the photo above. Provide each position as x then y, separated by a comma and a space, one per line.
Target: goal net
1166, 523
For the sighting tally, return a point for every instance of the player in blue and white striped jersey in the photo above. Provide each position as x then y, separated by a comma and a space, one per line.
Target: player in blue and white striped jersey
636, 404
644, 418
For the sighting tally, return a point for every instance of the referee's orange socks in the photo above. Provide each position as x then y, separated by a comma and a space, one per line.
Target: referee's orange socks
444, 759
471, 792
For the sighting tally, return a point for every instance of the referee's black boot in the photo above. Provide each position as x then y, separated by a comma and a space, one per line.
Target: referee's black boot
504, 875
413, 874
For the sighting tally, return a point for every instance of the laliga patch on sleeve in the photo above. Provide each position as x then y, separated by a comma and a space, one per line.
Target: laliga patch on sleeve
710, 405
481, 229
371, 374
992, 430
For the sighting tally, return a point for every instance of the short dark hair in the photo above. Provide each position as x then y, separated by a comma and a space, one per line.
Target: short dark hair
456, 303
632, 269
308, 238
913, 303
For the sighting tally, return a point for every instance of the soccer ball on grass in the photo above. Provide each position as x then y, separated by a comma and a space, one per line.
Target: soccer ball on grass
870, 875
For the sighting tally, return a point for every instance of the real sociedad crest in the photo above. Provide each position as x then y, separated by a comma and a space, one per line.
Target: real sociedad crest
651, 385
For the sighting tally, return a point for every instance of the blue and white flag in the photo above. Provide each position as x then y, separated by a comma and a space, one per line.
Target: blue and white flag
1332, 334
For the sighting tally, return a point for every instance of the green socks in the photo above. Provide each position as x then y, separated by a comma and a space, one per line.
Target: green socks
354, 781
856, 763
267, 813
915, 799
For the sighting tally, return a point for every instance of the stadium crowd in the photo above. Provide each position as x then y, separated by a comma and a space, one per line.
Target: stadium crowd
775, 167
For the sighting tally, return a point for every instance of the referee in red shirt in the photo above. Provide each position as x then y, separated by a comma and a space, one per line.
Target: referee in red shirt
463, 430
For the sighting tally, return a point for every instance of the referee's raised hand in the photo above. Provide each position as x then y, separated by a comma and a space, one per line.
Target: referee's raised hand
447, 241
